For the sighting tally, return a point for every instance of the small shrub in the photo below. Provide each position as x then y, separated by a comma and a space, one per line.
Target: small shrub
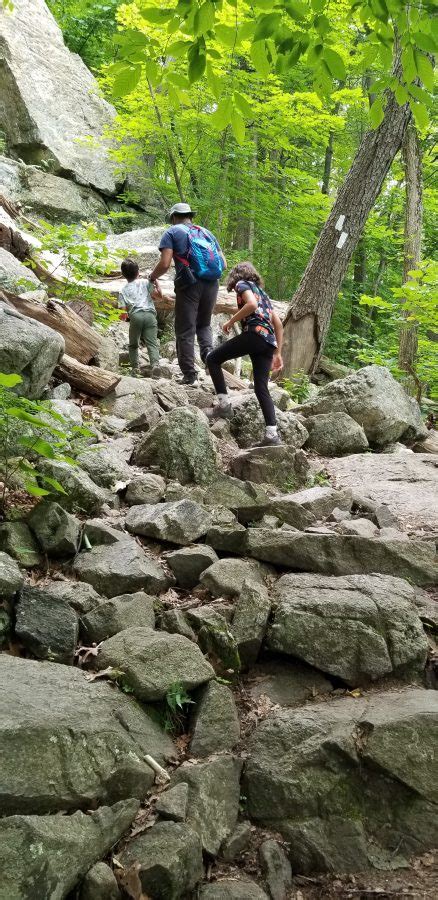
177, 701
297, 386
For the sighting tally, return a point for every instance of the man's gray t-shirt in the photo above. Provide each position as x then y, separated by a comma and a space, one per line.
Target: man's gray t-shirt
176, 238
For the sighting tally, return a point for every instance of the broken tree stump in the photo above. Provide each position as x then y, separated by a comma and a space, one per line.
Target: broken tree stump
87, 379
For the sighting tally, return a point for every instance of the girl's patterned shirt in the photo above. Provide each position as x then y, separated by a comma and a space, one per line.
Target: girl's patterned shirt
260, 320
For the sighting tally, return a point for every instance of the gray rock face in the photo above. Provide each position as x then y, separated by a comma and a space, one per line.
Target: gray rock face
321, 500
46, 626
57, 531
335, 434
376, 401
16, 277
82, 494
57, 199
271, 465
170, 858
247, 423
153, 661
17, 540
100, 884
77, 594
66, 742
112, 616
172, 804
98, 531
11, 578
230, 889
43, 121
213, 799
348, 782
146, 488
181, 446
248, 501
286, 683
180, 523
237, 842
133, 400
285, 508
144, 241
46, 856
339, 554
189, 563
27, 348
358, 628
105, 464
120, 568
169, 394
215, 723
276, 869
215, 638
250, 620
225, 578
227, 538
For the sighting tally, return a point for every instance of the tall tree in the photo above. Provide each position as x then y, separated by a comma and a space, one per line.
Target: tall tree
412, 242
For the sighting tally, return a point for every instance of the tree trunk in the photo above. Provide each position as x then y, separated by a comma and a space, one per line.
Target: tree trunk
89, 379
356, 321
308, 318
81, 341
408, 341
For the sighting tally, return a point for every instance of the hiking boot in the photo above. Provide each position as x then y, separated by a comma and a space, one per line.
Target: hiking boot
270, 441
189, 381
220, 411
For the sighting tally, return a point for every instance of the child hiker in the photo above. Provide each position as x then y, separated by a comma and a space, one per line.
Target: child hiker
261, 339
137, 298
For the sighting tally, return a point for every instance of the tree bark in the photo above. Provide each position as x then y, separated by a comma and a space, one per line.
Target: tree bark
308, 318
408, 341
81, 341
356, 320
88, 379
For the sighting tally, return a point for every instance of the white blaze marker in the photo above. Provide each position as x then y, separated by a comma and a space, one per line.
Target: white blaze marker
342, 238
340, 223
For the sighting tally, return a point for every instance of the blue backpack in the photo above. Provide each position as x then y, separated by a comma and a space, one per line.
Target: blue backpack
203, 256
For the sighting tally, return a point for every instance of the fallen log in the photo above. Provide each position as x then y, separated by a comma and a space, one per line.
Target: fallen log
81, 341
87, 379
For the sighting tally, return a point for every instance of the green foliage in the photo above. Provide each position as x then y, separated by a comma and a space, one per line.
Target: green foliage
88, 27
298, 387
177, 701
30, 431
318, 478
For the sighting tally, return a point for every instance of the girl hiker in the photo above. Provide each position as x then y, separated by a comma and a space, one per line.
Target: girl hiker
261, 339
137, 298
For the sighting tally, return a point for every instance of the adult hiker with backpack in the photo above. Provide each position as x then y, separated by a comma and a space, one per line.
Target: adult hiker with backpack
199, 263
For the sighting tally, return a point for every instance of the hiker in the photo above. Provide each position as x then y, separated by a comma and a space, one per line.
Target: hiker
137, 298
261, 339
199, 263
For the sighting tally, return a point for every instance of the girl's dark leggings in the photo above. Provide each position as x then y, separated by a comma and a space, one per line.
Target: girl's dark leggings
249, 343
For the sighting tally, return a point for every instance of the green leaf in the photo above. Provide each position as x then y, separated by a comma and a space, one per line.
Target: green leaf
296, 10
420, 94
425, 42
401, 95
266, 26
319, 5
152, 72
9, 380
126, 81
259, 58
238, 126
197, 64
335, 63
36, 491
157, 16
242, 103
424, 69
178, 49
420, 114
54, 484
322, 25
226, 35
408, 63
205, 18
377, 112
41, 447
380, 10
214, 82
222, 115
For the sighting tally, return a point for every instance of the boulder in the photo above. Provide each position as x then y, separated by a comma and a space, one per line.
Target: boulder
169, 394
232, 889
120, 568
57, 531
286, 509
145, 488
168, 859
112, 425
362, 527
175, 622
27, 347
238, 841
46, 856
100, 884
376, 401
11, 578
286, 683
105, 464
133, 401
215, 722
335, 434
98, 531
181, 446
248, 501
321, 500
82, 495
251, 614
357, 628
227, 538
69, 411
180, 523
247, 423
50, 101
46, 626
349, 783
59, 200
172, 804
17, 540
406, 484
279, 465
15, 276
112, 616
276, 869
143, 242
189, 563
153, 661
215, 639
77, 594
340, 554
225, 578
66, 742
214, 792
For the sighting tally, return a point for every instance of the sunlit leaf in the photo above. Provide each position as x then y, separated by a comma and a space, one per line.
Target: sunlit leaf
222, 115
266, 26
296, 10
425, 70
242, 103
335, 63
157, 16
420, 114
260, 59
9, 380
401, 95
408, 63
126, 81
377, 112
238, 126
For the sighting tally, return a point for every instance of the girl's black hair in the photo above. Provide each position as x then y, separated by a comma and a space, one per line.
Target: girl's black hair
244, 271
129, 269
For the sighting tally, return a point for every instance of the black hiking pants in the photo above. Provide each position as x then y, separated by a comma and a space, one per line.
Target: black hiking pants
251, 344
194, 305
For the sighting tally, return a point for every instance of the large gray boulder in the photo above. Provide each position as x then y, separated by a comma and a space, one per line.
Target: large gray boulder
15, 276
189, 563
46, 856
357, 628
27, 348
349, 783
106, 464
215, 723
17, 539
82, 495
181, 446
335, 434
225, 577
11, 578
46, 626
116, 614
153, 661
66, 742
77, 594
179, 523
133, 401
286, 682
169, 860
100, 883
119, 568
57, 531
232, 889
280, 465
214, 793
50, 101
143, 242
251, 613
342, 554
376, 401
60, 200
247, 423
